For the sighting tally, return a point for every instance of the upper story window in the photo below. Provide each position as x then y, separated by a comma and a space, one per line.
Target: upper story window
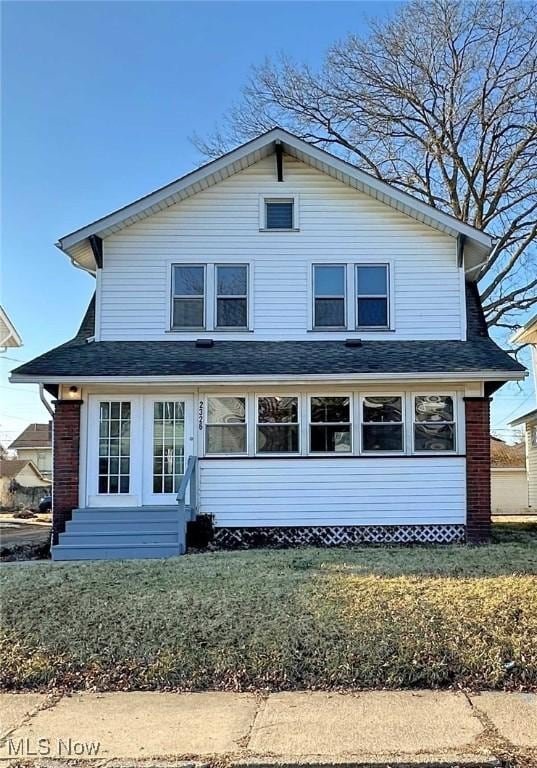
279, 213
329, 295
231, 296
434, 423
372, 296
210, 297
188, 311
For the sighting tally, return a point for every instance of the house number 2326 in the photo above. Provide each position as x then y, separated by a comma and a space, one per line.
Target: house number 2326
200, 415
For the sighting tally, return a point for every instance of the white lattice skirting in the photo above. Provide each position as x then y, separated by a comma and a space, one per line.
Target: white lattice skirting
337, 535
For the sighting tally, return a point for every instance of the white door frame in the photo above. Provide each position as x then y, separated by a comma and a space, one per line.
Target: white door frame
134, 497
148, 497
141, 450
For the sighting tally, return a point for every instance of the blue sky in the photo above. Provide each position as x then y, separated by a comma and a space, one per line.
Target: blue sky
99, 100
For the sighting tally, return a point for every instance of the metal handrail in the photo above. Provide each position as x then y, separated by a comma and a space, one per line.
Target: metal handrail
188, 478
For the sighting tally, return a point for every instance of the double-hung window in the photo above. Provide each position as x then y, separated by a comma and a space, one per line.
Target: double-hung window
434, 423
209, 297
372, 296
231, 296
329, 296
226, 428
382, 424
277, 425
188, 296
330, 425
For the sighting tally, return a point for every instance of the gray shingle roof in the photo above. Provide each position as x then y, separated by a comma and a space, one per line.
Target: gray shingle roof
34, 436
78, 358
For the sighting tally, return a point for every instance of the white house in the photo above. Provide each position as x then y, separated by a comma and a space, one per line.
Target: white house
509, 478
35, 444
295, 345
19, 475
528, 335
9, 336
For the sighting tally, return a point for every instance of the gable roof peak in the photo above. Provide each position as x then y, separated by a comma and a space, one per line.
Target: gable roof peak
78, 247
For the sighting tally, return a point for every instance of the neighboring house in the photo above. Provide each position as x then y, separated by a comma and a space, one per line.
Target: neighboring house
528, 335
18, 475
509, 487
35, 444
299, 341
8, 333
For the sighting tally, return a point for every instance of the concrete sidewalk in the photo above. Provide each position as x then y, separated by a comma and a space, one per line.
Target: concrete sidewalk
372, 728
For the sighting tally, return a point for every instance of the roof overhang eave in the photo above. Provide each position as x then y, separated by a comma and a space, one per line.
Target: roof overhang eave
527, 334
343, 378
529, 416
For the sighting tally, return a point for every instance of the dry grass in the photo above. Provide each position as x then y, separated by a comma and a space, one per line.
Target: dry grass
295, 619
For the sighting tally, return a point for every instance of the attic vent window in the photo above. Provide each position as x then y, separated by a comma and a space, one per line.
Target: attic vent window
279, 213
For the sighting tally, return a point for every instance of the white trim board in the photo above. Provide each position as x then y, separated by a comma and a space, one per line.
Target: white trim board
343, 379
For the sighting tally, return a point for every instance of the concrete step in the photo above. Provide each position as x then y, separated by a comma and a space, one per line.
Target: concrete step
106, 538
115, 552
133, 514
122, 526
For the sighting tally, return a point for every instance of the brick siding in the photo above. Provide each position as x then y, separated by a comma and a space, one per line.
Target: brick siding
478, 506
66, 449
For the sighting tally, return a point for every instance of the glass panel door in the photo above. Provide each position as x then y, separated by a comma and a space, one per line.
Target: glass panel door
114, 447
113, 451
167, 443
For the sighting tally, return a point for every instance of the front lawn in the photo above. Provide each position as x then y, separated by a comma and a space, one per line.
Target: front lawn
294, 619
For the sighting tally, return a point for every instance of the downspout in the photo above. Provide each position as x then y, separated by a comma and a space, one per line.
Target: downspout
45, 401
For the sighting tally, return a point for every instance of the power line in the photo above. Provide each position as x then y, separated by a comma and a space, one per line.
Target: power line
13, 359
529, 397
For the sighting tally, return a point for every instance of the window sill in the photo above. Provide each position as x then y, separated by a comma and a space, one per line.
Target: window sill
182, 331
273, 229
346, 456
342, 329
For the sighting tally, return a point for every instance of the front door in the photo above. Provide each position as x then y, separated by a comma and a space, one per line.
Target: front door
137, 449
168, 439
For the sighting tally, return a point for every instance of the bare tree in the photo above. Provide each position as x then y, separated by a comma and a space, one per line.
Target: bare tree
439, 100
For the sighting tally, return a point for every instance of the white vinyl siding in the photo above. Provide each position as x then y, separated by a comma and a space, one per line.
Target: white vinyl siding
337, 225
509, 491
334, 491
531, 463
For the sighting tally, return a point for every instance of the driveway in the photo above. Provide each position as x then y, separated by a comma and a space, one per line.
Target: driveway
15, 533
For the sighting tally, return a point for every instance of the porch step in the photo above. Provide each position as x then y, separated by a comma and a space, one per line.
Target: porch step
104, 538
122, 526
115, 552
153, 514
123, 532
